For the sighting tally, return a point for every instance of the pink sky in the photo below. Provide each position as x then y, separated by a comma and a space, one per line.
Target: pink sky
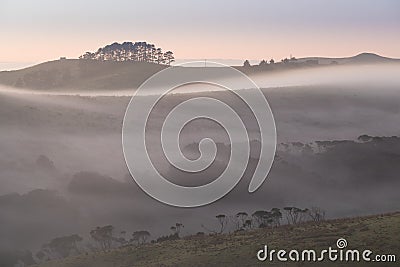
36, 31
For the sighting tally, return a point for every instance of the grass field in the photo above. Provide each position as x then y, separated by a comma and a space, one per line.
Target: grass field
380, 233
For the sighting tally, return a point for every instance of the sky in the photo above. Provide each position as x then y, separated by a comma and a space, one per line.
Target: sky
42, 30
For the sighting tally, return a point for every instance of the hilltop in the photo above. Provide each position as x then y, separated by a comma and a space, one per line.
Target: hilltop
114, 66
379, 233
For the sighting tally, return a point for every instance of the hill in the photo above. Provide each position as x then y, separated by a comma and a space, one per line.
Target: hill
81, 74
379, 234
363, 58
84, 74
313, 62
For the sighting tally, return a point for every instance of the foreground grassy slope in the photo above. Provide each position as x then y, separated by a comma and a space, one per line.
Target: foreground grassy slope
381, 234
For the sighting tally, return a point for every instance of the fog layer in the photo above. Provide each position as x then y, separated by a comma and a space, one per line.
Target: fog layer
62, 169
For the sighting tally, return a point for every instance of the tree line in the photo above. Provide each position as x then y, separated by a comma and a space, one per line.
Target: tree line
128, 51
285, 62
104, 238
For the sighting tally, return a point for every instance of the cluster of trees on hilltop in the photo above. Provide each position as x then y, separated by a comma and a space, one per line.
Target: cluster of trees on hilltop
292, 61
128, 51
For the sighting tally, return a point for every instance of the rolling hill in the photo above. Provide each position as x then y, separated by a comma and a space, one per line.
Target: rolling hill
79, 74
379, 234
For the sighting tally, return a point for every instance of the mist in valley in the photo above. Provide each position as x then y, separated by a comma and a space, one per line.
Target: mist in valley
62, 169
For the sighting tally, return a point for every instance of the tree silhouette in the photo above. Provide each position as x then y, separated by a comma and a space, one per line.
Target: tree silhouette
246, 64
294, 215
140, 237
159, 56
223, 221
261, 217
248, 224
316, 214
177, 228
175, 232
241, 219
103, 236
276, 216
169, 57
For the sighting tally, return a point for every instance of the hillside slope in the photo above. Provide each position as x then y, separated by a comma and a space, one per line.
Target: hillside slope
380, 233
81, 74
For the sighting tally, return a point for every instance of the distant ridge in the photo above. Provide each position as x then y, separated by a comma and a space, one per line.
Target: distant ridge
87, 74
363, 58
